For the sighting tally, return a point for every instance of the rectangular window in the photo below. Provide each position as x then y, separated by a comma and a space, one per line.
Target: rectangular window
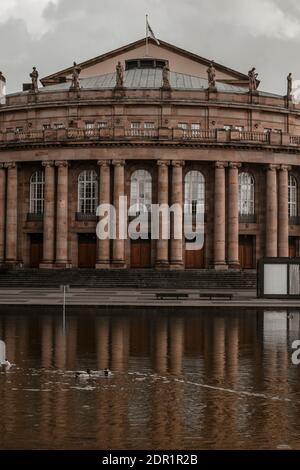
149, 125
58, 125
102, 125
267, 130
227, 127
239, 128
46, 126
19, 129
135, 128
183, 125
89, 125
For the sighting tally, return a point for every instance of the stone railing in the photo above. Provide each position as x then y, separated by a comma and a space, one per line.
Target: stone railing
294, 220
247, 219
162, 134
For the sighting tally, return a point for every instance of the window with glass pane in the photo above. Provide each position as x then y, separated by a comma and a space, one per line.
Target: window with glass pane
87, 192
183, 125
246, 194
37, 185
194, 193
141, 190
293, 196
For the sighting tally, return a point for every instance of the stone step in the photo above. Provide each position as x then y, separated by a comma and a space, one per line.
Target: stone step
201, 279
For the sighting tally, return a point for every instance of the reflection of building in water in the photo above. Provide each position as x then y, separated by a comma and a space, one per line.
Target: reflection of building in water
162, 364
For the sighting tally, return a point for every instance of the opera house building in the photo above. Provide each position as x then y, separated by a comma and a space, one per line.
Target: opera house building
170, 127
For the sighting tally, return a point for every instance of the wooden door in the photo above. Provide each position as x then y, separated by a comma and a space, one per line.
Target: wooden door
293, 247
246, 251
87, 248
36, 249
195, 259
140, 254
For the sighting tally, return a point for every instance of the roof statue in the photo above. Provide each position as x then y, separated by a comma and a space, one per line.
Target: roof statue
166, 77
289, 86
253, 82
34, 75
75, 77
2, 78
211, 74
120, 75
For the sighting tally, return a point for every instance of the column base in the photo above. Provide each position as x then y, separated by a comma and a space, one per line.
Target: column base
162, 265
46, 265
221, 267
62, 265
103, 265
234, 265
12, 263
118, 264
176, 266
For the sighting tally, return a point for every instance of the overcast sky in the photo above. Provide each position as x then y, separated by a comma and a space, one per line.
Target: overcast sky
236, 33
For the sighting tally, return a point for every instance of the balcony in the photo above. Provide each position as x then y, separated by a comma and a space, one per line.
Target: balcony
294, 220
81, 217
219, 136
31, 217
247, 219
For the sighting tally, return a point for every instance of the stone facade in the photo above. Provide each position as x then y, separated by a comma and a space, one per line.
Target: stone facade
62, 133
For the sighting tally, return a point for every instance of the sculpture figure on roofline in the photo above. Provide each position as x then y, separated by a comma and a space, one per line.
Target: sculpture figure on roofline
75, 77
120, 75
211, 74
253, 83
166, 77
34, 75
289, 86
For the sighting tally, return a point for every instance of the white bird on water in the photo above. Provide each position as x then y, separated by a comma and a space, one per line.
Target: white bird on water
3, 361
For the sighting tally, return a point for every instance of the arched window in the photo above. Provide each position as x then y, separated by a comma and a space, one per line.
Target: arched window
194, 193
140, 191
246, 194
293, 196
37, 185
87, 192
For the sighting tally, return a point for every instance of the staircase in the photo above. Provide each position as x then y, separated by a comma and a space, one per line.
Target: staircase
133, 279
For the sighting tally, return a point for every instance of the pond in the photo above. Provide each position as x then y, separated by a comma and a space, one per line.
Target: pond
194, 379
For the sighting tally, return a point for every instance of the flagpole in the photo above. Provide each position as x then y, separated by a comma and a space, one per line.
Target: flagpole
147, 35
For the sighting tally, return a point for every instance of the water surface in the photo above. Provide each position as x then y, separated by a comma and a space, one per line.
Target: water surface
184, 380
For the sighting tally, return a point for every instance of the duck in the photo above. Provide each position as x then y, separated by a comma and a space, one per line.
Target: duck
102, 373
83, 374
6, 364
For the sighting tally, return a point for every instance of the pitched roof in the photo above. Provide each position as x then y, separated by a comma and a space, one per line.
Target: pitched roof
146, 78
55, 77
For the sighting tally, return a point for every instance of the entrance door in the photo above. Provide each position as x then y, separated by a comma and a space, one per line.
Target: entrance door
246, 250
140, 254
87, 250
195, 259
293, 247
36, 249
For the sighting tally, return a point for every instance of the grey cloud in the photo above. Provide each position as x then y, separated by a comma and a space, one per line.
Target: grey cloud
80, 30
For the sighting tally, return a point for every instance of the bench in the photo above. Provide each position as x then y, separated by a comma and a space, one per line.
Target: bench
216, 296
173, 295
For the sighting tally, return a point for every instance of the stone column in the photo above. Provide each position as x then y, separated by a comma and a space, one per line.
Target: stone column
103, 246
49, 213
11, 213
2, 212
219, 220
62, 215
271, 212
119, 191
233, 215
162, 247
283, 212
177, 198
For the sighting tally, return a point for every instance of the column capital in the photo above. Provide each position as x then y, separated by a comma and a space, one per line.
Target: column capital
235, 165
48, 164
118, 163
285, 168
62, 164
104, 163
178, 163
163, 162
221, 165
273, 167
10, 165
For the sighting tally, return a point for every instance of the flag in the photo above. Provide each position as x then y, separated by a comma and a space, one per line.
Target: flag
151, 33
